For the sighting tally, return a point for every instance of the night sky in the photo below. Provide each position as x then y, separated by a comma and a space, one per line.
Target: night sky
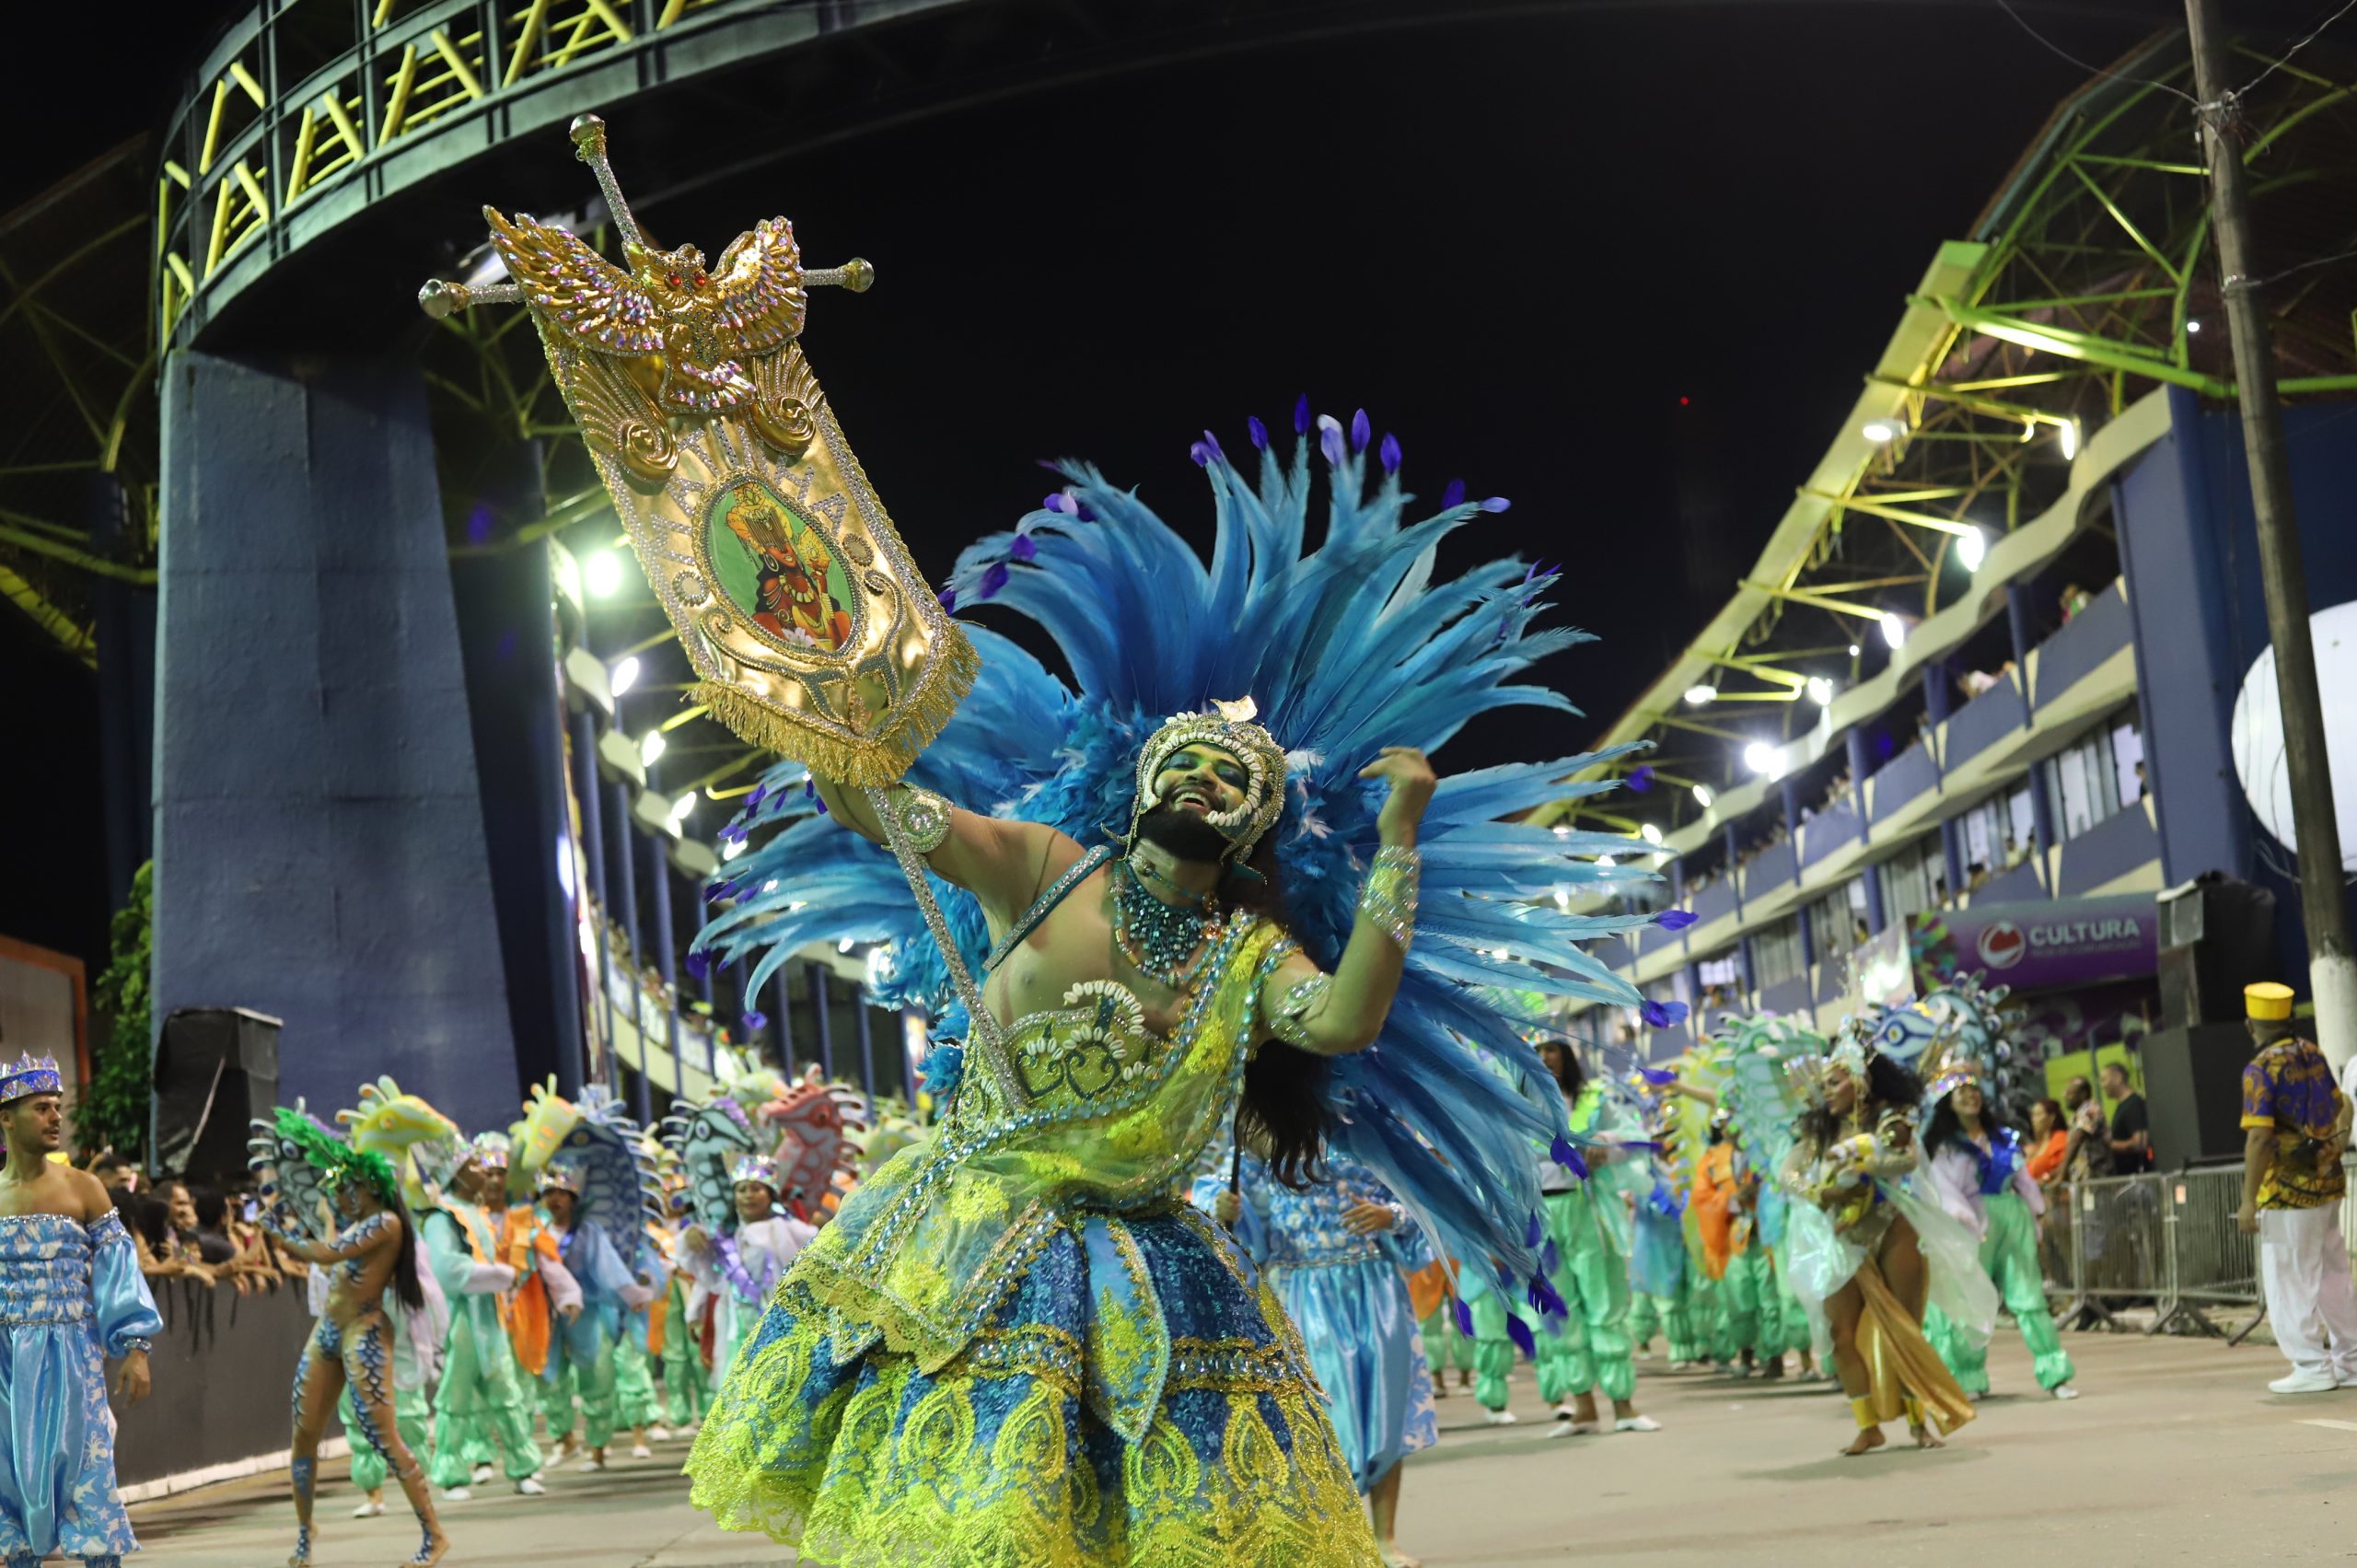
1624, 263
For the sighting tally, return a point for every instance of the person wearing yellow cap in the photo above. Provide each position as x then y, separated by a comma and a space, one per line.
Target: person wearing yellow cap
2295, 1124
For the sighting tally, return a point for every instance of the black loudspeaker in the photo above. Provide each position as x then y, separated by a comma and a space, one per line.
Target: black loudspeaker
216, 1069
2193, 1090
2217, 936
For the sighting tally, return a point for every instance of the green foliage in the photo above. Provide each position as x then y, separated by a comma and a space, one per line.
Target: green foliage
114, 1110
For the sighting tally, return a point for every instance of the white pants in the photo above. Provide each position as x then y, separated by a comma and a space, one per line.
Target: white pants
2311, 1303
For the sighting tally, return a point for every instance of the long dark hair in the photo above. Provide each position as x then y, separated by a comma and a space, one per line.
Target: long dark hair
1888, 1083
405, 1285
1283, 1111
1572, 1078
1946, 1127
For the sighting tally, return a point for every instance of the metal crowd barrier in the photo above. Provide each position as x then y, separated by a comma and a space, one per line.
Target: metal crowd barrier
2167, 1241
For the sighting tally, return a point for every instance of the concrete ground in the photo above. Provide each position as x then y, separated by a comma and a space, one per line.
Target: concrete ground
2177, 1453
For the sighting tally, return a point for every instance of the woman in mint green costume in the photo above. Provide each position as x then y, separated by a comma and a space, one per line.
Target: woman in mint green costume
1976, 1171
1589, 1269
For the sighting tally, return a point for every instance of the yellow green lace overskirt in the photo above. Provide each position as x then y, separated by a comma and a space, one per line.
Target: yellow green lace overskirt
999, 1459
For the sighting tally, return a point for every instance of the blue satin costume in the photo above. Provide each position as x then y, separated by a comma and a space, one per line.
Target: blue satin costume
1347, 1295
70, 1295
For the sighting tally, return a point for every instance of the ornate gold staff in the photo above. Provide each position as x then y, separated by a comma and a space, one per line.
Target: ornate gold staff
788, 586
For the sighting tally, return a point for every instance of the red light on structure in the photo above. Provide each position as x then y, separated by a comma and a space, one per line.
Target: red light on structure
1684, 401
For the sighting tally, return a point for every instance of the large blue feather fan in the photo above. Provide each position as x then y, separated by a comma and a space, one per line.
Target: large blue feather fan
1347, 648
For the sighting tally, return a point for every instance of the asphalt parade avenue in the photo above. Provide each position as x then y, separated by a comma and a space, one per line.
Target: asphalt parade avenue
2177, 1453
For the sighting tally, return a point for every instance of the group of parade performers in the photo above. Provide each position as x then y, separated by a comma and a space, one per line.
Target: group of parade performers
1251, 1127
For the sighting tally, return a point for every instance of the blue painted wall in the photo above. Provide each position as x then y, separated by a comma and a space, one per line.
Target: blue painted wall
2189, 548
320, 849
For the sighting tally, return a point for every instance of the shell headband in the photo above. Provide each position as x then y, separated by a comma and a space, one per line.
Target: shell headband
1230, 728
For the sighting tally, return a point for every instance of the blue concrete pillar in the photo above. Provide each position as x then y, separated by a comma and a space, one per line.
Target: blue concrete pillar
1952, 855
667, 961
586, 789
867, 1044
626, 913
1875, 918
820, 1003
1855, 738
1727, 847
1750, 975
319, 827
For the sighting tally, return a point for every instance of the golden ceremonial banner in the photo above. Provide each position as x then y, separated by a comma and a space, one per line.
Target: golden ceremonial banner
785, 580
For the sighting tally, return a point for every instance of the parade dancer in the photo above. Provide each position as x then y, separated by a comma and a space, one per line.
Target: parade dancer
1590, 1349
1975, 1169
736, 1268
579, 1399
1873, 1253
71, 1300
481, 1416
1336, 1250
687, 1382
373, 1262
1749, 1320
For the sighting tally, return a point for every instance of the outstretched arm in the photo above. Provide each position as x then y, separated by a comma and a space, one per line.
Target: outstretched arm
379, 1229
1337, 1013
1003, 863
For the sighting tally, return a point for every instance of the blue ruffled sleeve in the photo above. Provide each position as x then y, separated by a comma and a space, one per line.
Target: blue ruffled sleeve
122, 1308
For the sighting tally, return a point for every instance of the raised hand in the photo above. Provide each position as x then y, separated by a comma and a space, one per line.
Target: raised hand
1411, 781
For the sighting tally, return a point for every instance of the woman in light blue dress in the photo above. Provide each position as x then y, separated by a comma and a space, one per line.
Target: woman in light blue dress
1336, 1254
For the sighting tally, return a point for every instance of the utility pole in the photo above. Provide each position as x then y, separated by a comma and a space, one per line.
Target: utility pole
2332, 972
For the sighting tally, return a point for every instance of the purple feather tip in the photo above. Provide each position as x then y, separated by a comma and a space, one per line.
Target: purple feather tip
1025, 548
1201, 454
1532, 1232
1389, 452
1519, 1333
1641, 779
1675, 920
1464, 1318
699, 963
1212, 442
992, 580
1547, 1299
1659, 1077
1301, 414
755, 1022
1059, 502
949, 598
1549, 1258
1453, 496
1361, 431
1330, 441
1564, 1154
753, 801
1257, 431
1661, 1014
822, 807
1496, 503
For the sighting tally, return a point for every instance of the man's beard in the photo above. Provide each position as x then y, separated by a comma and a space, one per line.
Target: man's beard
1183, 834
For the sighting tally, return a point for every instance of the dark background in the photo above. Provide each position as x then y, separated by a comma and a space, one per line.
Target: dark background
1624, 263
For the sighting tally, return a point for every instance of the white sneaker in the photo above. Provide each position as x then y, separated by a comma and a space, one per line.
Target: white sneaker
530, 1487
2064, 1391
1636, 1423
1645, 1355
591, 1464
1564, 1426
658, 1434
457, 1494
483, 1475
368, 1510
2304, 1381
641, 1451
1499, 1418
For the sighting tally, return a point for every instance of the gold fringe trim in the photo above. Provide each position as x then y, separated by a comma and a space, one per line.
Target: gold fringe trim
870, 764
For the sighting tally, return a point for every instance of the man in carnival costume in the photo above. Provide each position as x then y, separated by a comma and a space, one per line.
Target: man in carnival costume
71, 1299
481, 1416
578, 1396
1137, 993
1586, 1260
1015, 1344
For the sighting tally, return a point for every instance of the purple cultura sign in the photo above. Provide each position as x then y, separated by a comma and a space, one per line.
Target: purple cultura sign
2030, 946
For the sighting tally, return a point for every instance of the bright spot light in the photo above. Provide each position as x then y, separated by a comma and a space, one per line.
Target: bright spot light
682, 806
2193, 326
2070, 439
1698, 695
847, 945
1760, 757
565, 865
624, 676
1703, 795
1650, 833
732, 849
1562, 830
1971, 549
1894, 629
603, 573
650, 747
1880, 430
1853, 650
1821, 691
879, 967
1564, 899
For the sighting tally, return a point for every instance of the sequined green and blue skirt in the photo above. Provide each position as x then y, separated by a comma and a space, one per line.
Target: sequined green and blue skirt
1003, 1458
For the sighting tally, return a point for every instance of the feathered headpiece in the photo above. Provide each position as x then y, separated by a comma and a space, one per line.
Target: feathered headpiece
1345, 647
337, 1162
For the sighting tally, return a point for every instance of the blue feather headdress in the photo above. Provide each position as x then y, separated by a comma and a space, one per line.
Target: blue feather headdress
1346, 648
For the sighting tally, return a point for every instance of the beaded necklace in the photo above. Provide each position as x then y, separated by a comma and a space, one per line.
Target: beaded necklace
1165, 942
